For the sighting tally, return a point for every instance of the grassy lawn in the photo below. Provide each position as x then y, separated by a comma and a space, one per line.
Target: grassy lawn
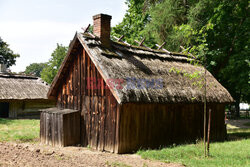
235, 152
19, 130
230, 153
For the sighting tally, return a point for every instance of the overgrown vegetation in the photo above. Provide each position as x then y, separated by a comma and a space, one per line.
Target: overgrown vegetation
19, 130
231, 153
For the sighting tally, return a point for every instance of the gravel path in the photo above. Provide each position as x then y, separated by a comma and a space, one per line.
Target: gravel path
12, 154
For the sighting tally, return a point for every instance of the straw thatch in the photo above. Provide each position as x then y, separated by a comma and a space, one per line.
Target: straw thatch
173, 70
18, 87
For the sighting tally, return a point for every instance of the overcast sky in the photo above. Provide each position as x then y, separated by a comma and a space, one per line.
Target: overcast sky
32, 28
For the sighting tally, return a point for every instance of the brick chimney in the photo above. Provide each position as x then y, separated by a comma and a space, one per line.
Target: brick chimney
101, 28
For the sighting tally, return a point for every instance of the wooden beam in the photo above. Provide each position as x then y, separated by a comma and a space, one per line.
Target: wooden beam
92, 35
183, 50
141, 43
86, 29
160, 46
165, 50
121, 41
120, 38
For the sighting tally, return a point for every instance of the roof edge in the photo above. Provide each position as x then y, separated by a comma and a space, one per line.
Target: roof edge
113, 91
56, 78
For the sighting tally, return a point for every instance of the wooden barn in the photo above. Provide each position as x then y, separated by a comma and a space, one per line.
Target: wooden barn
133, 97
22, 96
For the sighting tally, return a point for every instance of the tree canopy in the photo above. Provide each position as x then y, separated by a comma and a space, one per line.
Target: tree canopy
35, 69
51, 68
7, 56
215, 31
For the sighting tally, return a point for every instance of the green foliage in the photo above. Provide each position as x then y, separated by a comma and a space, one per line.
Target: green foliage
51, 68
35, 69
133, 23
20, 130
215, 32
7, 56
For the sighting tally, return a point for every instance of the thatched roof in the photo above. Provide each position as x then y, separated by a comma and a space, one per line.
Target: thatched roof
173, 74
18, 87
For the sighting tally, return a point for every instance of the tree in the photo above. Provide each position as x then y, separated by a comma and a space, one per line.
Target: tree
52, 67
215, 31
229, 43
133, 23
7, 56
35, 69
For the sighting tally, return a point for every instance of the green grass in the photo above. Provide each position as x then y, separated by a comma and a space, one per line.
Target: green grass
19, 130
229, 153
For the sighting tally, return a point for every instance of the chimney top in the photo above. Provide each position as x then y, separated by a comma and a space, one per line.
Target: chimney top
104, 16
101, 28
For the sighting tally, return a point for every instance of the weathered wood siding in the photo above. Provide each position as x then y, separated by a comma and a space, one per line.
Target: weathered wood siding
60, 128
28, 108
156, 125
97, 104
106, 125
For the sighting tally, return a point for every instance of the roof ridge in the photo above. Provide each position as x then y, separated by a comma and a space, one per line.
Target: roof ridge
11, 75
88, 36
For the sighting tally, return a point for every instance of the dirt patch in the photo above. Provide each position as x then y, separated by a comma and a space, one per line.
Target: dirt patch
12, 154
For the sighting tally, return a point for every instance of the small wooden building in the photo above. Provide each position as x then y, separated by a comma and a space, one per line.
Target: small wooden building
22, 96
134, 97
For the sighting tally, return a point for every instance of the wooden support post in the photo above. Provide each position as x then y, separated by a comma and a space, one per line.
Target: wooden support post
120, 38
160, 46
141, 43
86, 29
205, 109
183, 50
208, 131
137, 42
92, 35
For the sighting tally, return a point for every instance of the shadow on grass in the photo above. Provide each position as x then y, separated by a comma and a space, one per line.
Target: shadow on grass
238, 134
6, 121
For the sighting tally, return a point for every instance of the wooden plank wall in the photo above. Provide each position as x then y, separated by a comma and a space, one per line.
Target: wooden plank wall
98, 106
29, 108
59, 129
157, 125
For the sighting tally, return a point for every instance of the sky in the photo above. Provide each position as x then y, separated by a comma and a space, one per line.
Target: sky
32, 28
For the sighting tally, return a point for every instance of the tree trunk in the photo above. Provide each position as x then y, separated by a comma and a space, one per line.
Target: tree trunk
237, 105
